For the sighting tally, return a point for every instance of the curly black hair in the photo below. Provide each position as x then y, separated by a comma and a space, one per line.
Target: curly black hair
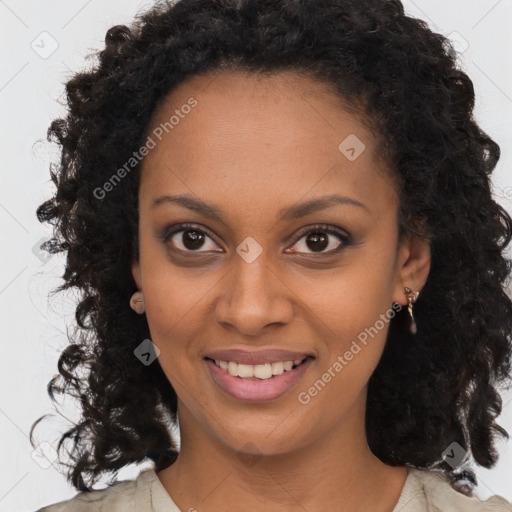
439, 386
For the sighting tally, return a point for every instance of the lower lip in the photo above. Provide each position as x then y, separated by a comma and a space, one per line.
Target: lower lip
254, 389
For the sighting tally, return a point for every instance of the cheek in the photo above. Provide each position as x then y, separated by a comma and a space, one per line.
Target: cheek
176, 306
175, 296
352, 308
349, 299
351, 342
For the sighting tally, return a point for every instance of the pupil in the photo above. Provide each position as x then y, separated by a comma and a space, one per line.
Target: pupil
316, 238
194, 240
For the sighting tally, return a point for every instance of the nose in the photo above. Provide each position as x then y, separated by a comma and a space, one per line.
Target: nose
253, 297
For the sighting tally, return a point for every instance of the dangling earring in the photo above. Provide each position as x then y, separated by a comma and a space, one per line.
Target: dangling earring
411, 298
137, 302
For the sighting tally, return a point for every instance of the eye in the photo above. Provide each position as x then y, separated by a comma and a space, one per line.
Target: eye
191, 240
316, 238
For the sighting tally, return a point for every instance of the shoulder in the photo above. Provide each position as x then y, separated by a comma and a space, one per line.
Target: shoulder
124, 496
433, 490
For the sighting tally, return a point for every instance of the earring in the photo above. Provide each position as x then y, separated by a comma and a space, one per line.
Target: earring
411, 298
137, 302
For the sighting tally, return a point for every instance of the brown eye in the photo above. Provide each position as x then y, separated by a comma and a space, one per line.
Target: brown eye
320, 238
189, 238
192, 239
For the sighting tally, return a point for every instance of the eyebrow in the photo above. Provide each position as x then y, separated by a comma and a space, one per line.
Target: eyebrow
294, 211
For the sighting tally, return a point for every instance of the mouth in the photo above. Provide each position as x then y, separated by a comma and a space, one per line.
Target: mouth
257, 383
258, 371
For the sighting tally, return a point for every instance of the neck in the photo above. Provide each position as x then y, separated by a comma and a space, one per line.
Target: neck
339, 466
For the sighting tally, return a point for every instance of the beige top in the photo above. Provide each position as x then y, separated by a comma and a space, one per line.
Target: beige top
423, 491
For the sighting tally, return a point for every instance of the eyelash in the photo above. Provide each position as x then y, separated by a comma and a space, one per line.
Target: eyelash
323, 228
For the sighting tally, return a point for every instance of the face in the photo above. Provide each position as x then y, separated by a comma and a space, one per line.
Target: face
257, 272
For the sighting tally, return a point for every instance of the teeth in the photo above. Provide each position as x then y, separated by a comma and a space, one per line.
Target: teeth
245, 370
260, 371
277, 368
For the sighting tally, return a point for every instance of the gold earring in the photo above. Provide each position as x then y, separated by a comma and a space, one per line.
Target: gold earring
411, 298
137, 302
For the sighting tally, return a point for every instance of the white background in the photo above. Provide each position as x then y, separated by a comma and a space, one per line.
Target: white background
33, 333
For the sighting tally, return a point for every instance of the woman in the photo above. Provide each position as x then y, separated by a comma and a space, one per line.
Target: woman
279, 216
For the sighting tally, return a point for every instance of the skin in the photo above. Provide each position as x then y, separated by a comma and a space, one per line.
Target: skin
252, 146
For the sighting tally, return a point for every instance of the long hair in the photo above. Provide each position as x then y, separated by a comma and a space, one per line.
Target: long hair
429, 390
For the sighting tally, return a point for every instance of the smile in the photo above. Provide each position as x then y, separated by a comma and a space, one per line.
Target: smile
257, 383
259, 371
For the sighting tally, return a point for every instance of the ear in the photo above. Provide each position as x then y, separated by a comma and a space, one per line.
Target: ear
413, 266
135, 267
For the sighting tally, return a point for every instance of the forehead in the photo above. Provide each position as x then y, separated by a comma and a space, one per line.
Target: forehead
265, 136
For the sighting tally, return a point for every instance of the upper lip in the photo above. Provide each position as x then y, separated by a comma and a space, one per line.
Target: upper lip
254, 357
